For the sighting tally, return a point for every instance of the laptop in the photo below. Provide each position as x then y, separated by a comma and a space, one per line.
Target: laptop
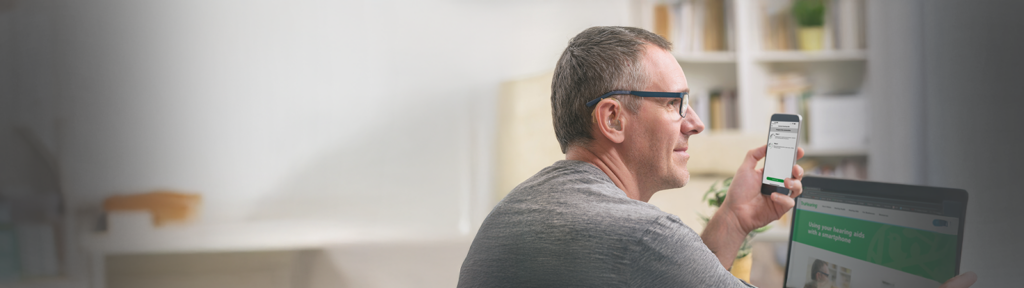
848, 233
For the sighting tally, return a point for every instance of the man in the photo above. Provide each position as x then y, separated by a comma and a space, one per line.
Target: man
622, 120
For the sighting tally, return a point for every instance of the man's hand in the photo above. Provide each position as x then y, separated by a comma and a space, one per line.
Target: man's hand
746, 209
963, 281
751, 208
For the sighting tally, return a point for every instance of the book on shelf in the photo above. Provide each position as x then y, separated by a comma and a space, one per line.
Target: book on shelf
796, 103
730, 109
848, 167
663, 21
791, 91
701, 104
717, 118
844, 25
830, 122
694, 25
721, 108
778, 29
714, 25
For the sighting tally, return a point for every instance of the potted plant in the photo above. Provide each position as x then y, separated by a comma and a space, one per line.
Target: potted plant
810, 16
715, 196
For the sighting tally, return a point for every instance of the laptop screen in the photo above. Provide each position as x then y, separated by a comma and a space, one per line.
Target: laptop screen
849, 240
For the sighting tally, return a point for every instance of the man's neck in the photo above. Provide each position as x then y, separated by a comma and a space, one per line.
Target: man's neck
609, 161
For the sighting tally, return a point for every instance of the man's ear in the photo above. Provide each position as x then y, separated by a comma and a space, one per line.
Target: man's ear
610, 121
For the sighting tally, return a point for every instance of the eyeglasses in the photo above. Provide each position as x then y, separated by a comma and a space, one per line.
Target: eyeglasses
684, 98
826, 274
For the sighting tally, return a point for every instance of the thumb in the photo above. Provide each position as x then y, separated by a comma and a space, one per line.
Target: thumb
784, 201
754, 155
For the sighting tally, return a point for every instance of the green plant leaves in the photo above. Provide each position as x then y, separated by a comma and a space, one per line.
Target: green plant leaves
809, 13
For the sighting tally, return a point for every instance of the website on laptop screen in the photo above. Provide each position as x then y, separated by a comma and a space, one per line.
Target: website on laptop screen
851, 241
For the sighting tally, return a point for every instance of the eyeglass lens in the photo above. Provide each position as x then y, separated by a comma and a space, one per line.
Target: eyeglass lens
683, 105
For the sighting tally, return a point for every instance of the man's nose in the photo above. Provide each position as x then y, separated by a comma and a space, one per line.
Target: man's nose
691, 124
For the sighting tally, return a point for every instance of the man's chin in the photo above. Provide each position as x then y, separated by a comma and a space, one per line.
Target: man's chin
682, 179
685, 180
684, 175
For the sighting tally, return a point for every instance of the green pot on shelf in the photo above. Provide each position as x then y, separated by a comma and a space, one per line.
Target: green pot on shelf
810, 16
812, 38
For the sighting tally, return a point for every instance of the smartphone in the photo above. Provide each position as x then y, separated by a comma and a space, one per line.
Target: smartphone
783, 135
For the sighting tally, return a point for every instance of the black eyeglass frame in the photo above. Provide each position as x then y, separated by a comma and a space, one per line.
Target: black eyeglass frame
684, 98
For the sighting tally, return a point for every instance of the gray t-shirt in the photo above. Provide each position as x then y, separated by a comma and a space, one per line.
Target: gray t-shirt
570, 226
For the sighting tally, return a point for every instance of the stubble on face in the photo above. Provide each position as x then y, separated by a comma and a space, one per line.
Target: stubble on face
658, 166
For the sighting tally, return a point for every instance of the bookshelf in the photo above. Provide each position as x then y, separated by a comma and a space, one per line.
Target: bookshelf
820, 56
757, 46
706, 57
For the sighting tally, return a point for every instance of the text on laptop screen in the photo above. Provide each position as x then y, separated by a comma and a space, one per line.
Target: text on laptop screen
847, 241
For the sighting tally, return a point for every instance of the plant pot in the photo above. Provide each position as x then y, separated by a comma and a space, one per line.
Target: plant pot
812, 38
741, 267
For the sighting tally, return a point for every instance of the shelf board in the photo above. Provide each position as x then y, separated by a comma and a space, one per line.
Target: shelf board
837, 152
811, 56
283, 235
706, 57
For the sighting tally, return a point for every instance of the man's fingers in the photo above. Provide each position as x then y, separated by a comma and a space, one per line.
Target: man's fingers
799, 152
783, 200
962, 281
795, 186
798, 172
753, 156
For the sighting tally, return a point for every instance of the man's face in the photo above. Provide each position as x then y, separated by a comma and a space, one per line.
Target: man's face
657, 152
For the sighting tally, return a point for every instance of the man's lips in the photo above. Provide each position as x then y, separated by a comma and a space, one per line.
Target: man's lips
681, 150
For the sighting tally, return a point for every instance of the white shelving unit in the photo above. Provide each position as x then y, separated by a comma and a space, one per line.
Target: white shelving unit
747, 67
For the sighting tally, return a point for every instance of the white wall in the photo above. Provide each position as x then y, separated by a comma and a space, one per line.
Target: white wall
947, 112
359, 113
974, 102
27, 93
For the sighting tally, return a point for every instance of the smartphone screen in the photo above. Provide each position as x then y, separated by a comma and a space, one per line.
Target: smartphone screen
778, 163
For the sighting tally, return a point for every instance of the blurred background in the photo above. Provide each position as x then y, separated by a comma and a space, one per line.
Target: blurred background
361, 143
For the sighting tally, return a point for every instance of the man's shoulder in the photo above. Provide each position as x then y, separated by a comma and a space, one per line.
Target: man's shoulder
575, 188
573, 198
568, 225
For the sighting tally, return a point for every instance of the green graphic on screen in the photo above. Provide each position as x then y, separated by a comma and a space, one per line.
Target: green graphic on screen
924, 253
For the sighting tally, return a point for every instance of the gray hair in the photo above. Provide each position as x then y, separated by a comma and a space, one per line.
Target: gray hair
598, 60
